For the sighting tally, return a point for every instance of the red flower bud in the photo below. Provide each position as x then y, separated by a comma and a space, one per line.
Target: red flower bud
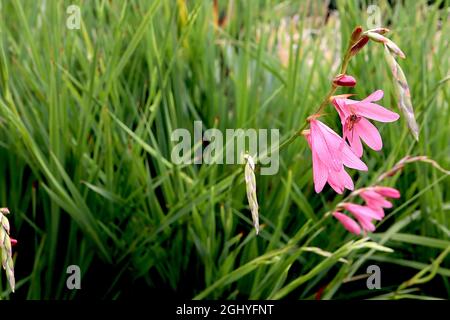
344, 80
356, 34
359, 45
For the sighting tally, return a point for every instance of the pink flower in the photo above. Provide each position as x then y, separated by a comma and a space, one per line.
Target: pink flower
330, 153
344, 80
387, 192
375, 197
363, 214
355, 126
347, 222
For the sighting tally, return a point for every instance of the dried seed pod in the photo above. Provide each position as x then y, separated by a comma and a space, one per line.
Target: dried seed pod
379, 30
387, 42
5, 247
250, 184
402, 92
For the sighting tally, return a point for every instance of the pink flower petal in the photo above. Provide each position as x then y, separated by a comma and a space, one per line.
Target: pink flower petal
351, 160
369, 134
355, 143
348, 157
346, 179
320, 173
339, 105
336, 185
374, 199
361, 214
388, 192
365, 223
320, 143
348, 223
378, 210
340, 180
374, 96
361, 210
375, 112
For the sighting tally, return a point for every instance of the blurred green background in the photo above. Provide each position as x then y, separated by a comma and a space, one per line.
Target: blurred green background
85, 123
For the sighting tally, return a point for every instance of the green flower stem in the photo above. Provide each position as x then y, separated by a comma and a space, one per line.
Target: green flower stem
323, 104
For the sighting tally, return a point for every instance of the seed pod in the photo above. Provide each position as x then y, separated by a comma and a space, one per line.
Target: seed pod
5, 248
389, 43
379, 30
402, 92
250, 184
5, 223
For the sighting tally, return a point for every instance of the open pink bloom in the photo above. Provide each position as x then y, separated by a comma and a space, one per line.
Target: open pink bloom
375, 197
355, 126
330, 153
347, 222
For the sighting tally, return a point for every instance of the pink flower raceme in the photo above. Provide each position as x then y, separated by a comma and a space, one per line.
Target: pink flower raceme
366, 214
330, 153
363, 214
355, 126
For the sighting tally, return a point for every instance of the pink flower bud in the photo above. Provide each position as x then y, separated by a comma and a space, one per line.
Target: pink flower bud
347, 222
387, 192
344, 80
13, 242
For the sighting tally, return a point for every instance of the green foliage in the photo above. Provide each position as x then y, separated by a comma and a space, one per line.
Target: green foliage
85, 123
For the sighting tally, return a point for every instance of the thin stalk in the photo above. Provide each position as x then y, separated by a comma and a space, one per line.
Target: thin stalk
344, 64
